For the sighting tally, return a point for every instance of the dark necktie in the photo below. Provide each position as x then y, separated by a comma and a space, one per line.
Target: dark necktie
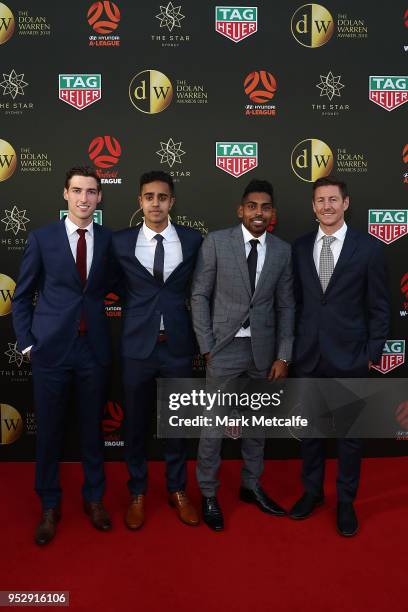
158, 263
81, 265
252, 261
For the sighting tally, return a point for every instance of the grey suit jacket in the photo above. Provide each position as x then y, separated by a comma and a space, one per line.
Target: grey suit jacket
221, 297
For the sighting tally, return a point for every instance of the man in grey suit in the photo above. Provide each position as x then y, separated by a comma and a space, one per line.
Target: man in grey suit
243, 316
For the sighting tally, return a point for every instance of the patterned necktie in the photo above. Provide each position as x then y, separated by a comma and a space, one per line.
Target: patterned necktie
81, 266
326, 262
252, 261
158, 263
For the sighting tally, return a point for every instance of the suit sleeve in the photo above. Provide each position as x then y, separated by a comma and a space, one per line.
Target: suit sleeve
28, 282
285, 310
202, 289
378, 305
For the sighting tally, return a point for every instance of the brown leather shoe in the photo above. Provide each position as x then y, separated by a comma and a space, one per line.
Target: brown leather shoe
185, 509
47, 526
98, 515
134, 517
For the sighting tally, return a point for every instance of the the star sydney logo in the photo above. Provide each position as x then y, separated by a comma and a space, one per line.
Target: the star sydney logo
330, 85
170, 152
170, 16
14, 355
15, 220
13, 84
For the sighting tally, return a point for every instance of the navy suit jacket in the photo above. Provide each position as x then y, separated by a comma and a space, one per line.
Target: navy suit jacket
49, 269
145, 299
348, 324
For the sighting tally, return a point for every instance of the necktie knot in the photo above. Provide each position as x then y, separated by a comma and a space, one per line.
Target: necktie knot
81, 232
254, 243
159, 238
328, 240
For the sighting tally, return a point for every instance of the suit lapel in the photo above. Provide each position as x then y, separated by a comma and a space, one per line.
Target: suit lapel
131, 249
238, 247
97, 251
267, 263
67, 253
309, 247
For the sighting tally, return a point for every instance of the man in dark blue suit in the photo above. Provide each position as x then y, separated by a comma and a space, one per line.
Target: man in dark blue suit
157, 259
66, 336
342, 325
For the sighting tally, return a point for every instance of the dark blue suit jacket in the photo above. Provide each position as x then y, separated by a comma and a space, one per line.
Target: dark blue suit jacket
48, 268
348, 324
145, 299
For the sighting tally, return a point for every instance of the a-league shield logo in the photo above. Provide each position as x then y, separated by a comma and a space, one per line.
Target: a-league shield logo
392, 357
80, 90
389, 92
388, 225
236, 22
236, 158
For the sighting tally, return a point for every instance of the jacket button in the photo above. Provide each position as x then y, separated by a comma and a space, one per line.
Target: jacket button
251, 306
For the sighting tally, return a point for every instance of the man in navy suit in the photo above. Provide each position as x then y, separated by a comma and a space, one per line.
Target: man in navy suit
342, 325
66, 336
157, 259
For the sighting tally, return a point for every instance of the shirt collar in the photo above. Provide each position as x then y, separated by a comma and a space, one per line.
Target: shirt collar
72, 228
248, 236
340, 234
150, 234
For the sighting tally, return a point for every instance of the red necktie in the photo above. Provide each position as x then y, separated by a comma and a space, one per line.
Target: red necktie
81, 265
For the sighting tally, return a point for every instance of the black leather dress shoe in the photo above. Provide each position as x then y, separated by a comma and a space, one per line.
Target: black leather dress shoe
305, 506
258, 497
347, 523
47, 527
212, 514
98, 515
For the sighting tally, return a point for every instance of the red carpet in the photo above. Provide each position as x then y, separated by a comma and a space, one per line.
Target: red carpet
257, 563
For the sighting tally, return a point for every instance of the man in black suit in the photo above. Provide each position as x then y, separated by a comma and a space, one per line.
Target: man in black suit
342, 325
66, 336
156, 259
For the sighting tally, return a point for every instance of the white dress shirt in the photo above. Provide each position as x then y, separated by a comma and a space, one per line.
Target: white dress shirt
146, 247
335, 246
73, 238
261, 249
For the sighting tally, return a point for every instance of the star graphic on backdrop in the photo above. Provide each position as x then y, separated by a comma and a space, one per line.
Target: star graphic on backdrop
170, 16
15, 220
15, 356
170, 152
330, 85
13, 84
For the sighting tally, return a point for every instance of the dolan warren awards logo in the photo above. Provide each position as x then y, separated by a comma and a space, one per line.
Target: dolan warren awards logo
80, 90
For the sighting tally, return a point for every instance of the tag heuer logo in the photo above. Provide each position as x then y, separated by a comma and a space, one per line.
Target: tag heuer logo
97, 215
388, 225
236, 158
236, 22
393, 356
388, 91
80, 90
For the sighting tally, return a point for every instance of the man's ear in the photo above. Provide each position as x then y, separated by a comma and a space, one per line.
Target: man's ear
240, 211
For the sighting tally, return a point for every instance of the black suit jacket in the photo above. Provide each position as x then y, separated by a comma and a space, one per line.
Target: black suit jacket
348, 324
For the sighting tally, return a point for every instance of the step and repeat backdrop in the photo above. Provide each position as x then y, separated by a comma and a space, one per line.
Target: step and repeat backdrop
216, 96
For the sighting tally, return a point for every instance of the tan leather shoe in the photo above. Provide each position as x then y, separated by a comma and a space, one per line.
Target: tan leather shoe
47, 527
134, 517
185, 509
98, 515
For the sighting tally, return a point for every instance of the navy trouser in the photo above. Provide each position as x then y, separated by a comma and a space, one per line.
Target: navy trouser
51, 391
139, 399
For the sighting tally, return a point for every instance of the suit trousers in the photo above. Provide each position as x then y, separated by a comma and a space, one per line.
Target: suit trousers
51, 392
139, 398
233, 361
349, 450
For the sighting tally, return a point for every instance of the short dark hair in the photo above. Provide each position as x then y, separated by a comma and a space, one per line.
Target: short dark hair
82, 171
260, 187
157, 175
325, 181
